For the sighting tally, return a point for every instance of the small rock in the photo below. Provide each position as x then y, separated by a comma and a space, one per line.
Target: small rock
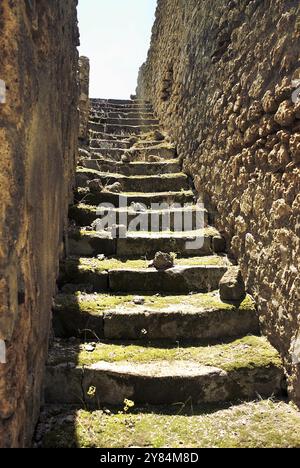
114, 188
133, 140
232, 286
138, 300
97, 225
83, 153
125, 158
219, 244
138, 208
153, 158
90, 348
163, 261
95, 186
158, 136
101, 257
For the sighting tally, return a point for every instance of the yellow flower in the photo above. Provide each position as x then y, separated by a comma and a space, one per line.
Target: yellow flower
92, 391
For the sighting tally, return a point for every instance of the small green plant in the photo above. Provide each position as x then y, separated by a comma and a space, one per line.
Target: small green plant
128, 404
91, 392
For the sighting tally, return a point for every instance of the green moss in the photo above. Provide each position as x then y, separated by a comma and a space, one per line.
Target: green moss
262, 424
249, 352
94, 265
89, 304
98, 303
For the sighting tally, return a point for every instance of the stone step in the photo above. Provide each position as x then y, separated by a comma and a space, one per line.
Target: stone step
126, 199
182, 279
158, 375
125, 121
119, 103
258, 424
121, 115
141, 244
109, 144
138, 154
109, 136
147, 183
122, 129
141, 108
133, 168
195, 317
170, 219
123, 102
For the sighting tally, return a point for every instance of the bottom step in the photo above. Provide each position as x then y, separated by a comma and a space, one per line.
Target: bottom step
261, 424
158, 375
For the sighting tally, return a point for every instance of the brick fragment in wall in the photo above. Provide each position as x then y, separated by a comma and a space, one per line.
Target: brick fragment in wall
234, 115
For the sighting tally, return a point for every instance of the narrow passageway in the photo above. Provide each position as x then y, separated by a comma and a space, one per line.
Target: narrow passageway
148, 352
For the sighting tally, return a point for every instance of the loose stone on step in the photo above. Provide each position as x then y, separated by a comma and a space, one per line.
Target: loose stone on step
138, 300
90, 348
138, 207
232, 286
162, 261
114, 188
158, 135
95, 186
97, 225
125, 158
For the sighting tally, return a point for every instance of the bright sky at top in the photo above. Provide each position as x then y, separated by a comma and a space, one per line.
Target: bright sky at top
115, 35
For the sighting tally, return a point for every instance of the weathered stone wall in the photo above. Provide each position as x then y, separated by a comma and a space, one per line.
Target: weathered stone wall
84, 101
220, 75
38, 145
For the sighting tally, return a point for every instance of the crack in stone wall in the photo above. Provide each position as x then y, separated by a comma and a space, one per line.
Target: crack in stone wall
222, 76
84, 100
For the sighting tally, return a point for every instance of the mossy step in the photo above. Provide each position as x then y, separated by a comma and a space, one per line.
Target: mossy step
137, 154
139, 121
133, 168
142, 243
258, 424
126, 199
158, 375
170, 219
122, 129
115, 317
113, 275
139, 183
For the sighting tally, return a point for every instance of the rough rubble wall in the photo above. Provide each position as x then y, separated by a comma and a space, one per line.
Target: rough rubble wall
38, 140
220, 74
84, 101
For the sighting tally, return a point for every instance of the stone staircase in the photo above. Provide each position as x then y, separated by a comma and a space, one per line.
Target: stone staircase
125, 332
